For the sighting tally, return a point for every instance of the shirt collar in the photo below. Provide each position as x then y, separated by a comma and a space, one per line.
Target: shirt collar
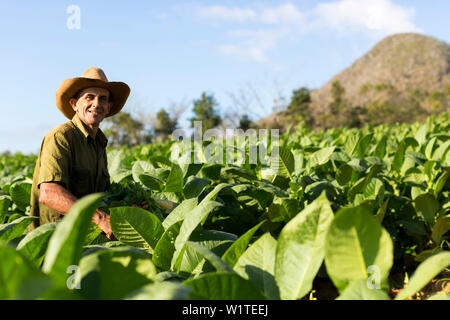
100, 136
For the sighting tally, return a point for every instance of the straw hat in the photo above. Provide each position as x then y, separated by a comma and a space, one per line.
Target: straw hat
93, 77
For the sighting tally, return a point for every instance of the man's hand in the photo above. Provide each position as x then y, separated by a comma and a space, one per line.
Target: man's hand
101, 219
58, 198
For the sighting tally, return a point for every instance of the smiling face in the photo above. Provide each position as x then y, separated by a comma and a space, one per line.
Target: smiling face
92, 106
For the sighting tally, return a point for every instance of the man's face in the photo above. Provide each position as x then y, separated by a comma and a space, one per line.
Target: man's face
92, 106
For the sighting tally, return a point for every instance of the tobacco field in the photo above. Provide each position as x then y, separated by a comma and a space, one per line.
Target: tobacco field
348, 214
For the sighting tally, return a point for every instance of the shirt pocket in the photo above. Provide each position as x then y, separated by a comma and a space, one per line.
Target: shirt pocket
80, 182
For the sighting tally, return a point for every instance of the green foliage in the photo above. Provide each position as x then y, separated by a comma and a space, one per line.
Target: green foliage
205, 111
66, 244
300, 249
355, 242
124, 130
337, 92
426, 271
220, 286
136, 227
300, 106
357, 207
165, 125
245, 122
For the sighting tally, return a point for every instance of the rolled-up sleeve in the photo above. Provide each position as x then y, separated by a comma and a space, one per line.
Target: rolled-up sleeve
55, 160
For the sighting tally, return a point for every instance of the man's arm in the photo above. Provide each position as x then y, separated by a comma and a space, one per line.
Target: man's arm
58, 198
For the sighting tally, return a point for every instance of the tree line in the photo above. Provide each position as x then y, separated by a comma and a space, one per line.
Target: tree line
125, 129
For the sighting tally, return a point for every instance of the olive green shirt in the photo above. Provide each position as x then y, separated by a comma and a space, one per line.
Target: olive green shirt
72, 158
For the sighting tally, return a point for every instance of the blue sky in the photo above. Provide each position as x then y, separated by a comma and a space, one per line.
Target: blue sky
169, 52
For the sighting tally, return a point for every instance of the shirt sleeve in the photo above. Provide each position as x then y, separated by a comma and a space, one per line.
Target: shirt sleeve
55, 160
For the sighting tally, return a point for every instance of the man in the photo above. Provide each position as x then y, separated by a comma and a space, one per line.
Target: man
72, 161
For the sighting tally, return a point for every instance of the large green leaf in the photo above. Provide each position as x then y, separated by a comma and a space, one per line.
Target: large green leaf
233, 253
66, 244
360, 290
190, 223
300, 249
320, 157
136, 227
174, 182
363, 145
116, 165
440, 183
35, 243
399, 157
151, 181
424, 273
374, 191
429, 149
257, 264
195, 262
344, 174
361, 184
355, 242
165, 248
352, 142
20, 193
195, 187
161, 162
441, 152
421, 134
94, 233
114, 273
19, 278
441, 226
223, 286
219, 264
211, 172
380, 149
140, 167
15, 229
426, 207
180, 212
283, 163
5, 202
215, 192
194, 219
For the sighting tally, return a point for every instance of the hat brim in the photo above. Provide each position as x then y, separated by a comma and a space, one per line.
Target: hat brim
119, 92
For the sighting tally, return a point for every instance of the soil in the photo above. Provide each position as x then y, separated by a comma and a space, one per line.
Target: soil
324, 289
435, 286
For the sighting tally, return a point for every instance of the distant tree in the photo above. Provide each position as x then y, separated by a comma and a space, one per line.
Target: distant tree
164, 125
204, 110
245, 123
123, 129
354, 117
300, 100
300, 106
337, 92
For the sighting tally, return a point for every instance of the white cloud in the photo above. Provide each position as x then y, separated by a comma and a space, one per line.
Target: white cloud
251, 44
227, 14
369, 17
286, 13
243, 52
379, 17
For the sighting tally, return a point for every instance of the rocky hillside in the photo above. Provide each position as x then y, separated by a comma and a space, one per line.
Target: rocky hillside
399, 70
